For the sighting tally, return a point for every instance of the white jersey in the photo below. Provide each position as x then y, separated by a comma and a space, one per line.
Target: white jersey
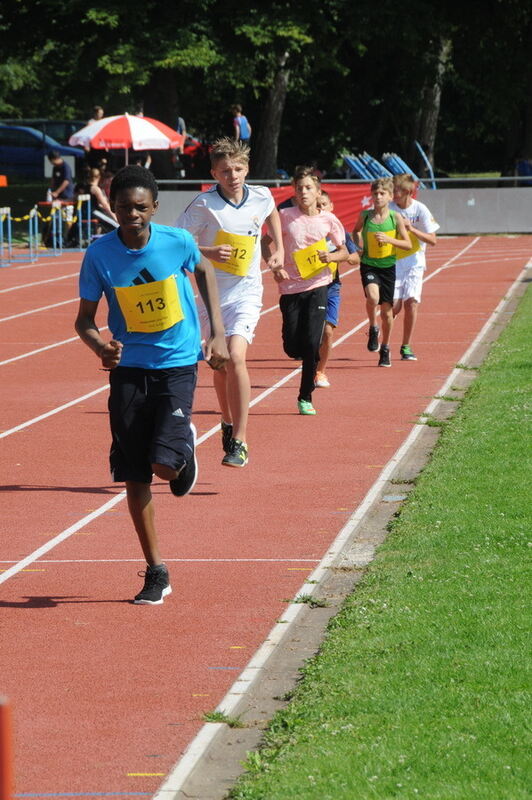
422, 219
210, 212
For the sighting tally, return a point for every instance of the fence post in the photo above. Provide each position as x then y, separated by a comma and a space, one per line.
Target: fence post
6, 751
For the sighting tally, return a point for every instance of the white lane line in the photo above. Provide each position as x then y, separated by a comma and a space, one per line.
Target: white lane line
39, 283
42, 349
36, 310
41, 264
214, 430
52, 412
45, 548
176, 560
254, 670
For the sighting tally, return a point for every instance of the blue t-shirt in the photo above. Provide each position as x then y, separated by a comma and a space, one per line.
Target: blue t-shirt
244, 127
109, 263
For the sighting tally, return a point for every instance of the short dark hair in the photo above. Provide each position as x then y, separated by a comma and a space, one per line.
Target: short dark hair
133, 177
53, 154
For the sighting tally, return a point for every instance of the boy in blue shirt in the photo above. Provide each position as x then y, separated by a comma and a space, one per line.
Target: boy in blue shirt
152, 356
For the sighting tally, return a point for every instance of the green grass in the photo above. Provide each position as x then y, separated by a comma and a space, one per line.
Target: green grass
421, 688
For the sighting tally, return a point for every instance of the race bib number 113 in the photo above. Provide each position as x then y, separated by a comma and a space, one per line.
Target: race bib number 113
150, 307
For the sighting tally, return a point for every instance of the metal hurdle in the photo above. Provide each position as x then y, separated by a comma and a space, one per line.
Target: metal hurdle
56, 218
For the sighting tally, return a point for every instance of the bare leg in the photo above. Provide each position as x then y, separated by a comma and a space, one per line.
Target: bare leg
372, 302
397, 306
326, 346
410, 319
238, 386
386, 322
233, 387
140, 504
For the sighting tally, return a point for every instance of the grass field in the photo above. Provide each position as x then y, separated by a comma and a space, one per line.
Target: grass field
421, 688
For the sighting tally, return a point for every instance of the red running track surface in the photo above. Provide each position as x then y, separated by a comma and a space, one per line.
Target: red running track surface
106, 694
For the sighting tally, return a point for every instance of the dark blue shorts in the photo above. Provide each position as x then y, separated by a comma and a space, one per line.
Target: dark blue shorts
149, 411
332, 315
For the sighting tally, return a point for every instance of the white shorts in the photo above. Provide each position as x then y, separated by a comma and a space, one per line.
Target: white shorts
408, 283
239, 318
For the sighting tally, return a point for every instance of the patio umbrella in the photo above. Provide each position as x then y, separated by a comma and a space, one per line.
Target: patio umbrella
127, 131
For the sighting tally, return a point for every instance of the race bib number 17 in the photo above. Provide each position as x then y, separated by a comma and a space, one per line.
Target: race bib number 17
308, 261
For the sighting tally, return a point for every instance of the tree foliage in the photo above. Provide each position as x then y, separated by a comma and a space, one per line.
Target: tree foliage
315, 78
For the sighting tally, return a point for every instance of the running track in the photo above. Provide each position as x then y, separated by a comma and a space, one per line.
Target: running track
105, 694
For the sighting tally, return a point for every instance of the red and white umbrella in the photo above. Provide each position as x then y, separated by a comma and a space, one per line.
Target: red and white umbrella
127, 131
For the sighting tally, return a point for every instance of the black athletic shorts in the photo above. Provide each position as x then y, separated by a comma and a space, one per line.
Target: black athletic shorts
149, 412
384, 277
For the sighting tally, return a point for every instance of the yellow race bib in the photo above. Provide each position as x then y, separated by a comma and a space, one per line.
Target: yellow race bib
150, 307
243, 248
308, 262
415, 247
380, 249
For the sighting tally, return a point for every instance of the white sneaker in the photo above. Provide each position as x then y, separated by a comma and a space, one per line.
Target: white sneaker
321, 381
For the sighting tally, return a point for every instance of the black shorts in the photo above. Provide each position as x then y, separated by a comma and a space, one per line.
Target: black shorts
149, 412
384, 277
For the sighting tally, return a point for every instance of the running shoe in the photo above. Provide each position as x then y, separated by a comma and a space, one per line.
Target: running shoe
407, 353
237, 455
156, 586
384, 356
227, 435
373, 338
306, 408
186, 480
321, 380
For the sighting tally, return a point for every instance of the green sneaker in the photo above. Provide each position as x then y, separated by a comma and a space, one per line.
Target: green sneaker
305, 408
237, 455
407, 353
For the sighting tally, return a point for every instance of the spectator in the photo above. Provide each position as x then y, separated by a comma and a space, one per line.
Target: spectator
97, 114
241, 126
61, 183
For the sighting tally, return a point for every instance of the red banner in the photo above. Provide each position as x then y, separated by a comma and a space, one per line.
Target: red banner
348, 199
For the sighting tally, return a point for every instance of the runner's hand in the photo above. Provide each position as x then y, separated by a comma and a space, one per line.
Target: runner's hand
216, 352
111, 354
222, 253
280, 274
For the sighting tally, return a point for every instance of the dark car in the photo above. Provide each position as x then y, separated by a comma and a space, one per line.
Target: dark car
23, 152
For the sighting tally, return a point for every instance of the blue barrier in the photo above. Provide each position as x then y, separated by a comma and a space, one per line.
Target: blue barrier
59, 221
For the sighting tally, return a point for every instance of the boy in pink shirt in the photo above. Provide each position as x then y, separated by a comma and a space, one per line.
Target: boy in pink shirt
304, 278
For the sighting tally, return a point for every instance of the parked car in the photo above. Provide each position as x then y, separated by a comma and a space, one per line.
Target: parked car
23, 152
59, 129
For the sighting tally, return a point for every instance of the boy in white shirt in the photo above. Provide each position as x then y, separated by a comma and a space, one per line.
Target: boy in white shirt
226, 222
421, 227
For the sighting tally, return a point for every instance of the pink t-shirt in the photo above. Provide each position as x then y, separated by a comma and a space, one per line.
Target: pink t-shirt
299, 231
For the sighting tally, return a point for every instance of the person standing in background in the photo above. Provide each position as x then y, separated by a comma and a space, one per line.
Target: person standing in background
241, 126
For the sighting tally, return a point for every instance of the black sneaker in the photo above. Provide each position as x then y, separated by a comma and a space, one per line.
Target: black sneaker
227, 435
384, 356
237, 455
407, 353
186, 480
373, 338
156, 586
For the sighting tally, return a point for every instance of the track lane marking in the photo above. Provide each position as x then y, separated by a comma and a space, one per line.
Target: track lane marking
214, 430
39, 283
36, 310
253, 671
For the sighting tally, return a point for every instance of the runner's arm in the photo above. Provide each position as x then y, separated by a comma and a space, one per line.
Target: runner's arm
87, 330
276, 259
402, 241
216, 353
